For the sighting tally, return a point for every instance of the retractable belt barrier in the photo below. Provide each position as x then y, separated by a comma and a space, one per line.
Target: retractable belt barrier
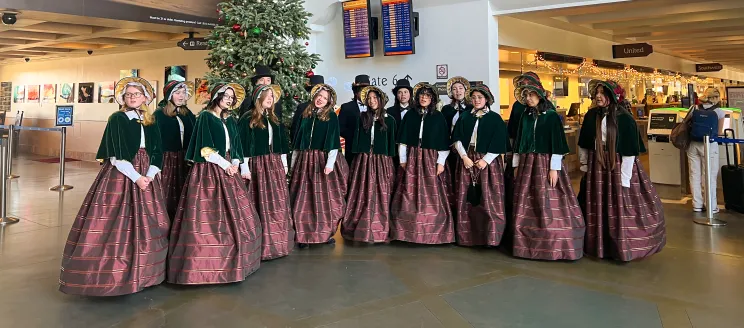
709, 220
8, 163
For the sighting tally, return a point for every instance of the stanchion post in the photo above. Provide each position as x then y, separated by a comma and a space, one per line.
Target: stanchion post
4, 218
62, 149
10, 147
709, 176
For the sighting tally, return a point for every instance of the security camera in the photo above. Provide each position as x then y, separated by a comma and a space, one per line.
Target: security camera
90, 52
9, 18
27, 59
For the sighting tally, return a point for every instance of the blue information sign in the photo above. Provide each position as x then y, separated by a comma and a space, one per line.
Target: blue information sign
397, 28
357, 36
64, 115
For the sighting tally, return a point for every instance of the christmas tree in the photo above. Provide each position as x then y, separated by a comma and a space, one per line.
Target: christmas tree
263, 32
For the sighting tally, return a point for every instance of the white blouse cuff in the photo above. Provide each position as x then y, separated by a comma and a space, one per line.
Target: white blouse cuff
331, 159
126, 168
490, 157
556, 162
403, 153
152, 171
515, 160
219, 160
442, 157
460, 149
626, 170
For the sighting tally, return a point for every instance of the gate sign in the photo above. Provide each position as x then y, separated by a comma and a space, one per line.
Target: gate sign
64, 115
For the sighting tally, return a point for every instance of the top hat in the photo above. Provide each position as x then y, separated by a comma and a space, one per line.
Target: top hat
402, 83
313, 81
262, 71
360, 81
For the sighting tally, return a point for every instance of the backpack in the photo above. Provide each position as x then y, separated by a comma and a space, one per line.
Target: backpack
704, 123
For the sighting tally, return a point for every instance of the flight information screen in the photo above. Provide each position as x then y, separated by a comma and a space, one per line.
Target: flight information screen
397, 28
357, 36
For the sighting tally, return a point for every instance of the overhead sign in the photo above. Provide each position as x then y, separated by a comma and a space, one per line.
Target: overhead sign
64, 115
357, 31
397, 27
711, 67
632, 50
442, 72
194, 44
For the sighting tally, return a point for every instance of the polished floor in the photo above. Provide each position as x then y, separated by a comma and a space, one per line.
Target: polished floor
696, 281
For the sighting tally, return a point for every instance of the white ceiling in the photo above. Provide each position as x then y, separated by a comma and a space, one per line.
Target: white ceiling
702, 31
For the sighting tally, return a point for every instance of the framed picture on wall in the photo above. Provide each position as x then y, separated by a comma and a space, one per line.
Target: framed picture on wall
32, 93
106, 92
175, 73
19, 94
202, 91
128, 73
85, 93
560, 86
49, 92
66, 93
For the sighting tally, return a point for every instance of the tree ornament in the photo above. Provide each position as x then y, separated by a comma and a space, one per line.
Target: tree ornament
271, 28
236, 28
310, 74
281, 60
256, 30
244, 75
313, 66
222, 62
259, 57
291, 68
307, 43
296, 97
231, 65
242, 33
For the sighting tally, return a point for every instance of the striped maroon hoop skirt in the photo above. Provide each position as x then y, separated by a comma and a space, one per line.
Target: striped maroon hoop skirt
268, 189
450, 177
318, 200
119, 240
548, 224
173, 176
216, 234
622, 223
367, 217
482, 225
420, 212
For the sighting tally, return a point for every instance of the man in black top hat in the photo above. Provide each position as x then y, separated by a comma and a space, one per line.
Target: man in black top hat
263, 76
297, 117
350, 113
403, 93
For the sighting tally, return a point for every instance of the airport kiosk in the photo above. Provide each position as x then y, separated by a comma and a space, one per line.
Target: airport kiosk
665, 160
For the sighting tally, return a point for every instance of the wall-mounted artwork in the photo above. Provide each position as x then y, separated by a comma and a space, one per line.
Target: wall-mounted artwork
128, 73
202, 92
175, 73
32, 93
85, 93
19, 95
49, 93
66, 93
106, 92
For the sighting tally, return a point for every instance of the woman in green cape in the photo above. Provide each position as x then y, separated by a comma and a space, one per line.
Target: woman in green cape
264, 167
119, 240
216, 234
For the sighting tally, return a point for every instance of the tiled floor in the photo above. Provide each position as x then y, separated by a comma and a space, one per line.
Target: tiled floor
694, 282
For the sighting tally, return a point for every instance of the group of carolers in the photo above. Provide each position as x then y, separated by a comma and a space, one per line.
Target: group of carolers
203, 199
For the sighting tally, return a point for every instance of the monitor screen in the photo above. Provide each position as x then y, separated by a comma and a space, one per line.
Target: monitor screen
397, 27
357, 36
662, 121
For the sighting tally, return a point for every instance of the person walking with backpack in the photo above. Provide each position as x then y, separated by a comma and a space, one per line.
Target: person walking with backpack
707, 119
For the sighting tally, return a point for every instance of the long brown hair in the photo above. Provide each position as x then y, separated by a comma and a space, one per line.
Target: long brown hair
606, 159
147, 117
257, 115
324, 114
374, 114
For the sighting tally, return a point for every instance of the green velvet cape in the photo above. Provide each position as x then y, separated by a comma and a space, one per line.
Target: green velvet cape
514, 119
491, 138
210, 134
256, 140
545, 137
170, 132
384, 140
325, 135
436, 132
449, 112
121, 139
628, 141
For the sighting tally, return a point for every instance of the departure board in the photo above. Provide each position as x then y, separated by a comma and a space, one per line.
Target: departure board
397, 28
357, 37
